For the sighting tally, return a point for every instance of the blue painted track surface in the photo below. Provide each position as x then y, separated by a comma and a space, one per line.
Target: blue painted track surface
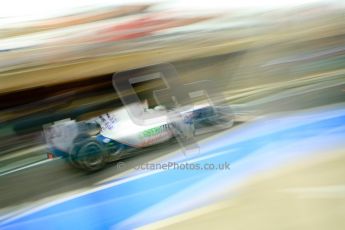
146, 197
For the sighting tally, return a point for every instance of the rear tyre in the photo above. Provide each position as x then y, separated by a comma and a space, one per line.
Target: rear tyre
88, 155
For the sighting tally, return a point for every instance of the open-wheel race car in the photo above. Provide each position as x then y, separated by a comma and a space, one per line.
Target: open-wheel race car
90, 144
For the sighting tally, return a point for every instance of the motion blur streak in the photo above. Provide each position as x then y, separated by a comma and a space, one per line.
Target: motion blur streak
279, 66
134, 202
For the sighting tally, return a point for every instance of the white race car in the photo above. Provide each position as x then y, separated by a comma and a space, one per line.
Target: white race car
89, 145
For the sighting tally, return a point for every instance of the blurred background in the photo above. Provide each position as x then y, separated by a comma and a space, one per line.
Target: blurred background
279, 64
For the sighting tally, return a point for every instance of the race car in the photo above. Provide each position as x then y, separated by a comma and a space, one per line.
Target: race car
89, 145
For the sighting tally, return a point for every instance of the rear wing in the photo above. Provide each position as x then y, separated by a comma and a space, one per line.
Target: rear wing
60, 134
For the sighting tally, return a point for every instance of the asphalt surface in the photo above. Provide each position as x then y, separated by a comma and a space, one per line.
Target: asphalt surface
57, 177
